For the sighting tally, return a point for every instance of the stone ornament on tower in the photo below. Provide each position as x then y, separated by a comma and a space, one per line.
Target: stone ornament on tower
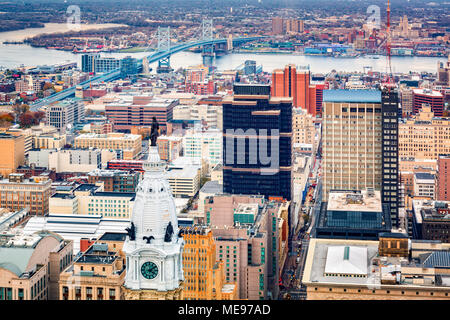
154, 132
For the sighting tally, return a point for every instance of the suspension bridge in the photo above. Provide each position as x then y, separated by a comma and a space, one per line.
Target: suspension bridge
162, 55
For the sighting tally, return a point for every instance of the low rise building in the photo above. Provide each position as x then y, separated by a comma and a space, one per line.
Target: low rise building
391, 268
127, 146
115, 180
431, 220
64, 113
184, 180
424, 184
97, 274
12, 149
30, 265
350, 214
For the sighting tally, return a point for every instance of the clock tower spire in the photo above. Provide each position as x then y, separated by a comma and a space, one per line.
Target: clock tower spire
153, 249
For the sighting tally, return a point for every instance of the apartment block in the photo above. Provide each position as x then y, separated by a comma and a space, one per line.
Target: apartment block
17, 193
115, 180
139, 111
169, 147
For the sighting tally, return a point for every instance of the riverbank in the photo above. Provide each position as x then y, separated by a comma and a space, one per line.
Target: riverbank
13, 56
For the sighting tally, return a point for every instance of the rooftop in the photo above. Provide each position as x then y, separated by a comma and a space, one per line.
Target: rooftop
424, 176
349, 200
346, 260
113, 236
352, 96
213, 187
86, 187
115, 194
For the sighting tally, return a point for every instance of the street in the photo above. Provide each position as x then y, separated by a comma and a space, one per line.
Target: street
291, 286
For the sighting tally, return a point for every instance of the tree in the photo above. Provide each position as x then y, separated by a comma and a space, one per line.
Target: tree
6, 119
30, 118
20, 109
47, 86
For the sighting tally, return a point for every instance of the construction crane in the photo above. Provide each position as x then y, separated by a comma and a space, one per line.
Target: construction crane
389, 82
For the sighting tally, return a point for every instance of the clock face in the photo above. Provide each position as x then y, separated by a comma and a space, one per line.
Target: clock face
149, 270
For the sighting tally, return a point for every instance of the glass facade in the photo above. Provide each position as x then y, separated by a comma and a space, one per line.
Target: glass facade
390, 180
264, 128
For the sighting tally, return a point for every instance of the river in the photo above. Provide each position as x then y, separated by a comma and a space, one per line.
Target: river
12, 55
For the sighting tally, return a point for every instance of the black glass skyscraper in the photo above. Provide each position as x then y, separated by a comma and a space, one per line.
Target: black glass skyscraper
257, 147
390, 179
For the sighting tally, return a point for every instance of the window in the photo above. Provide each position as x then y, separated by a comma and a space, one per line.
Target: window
112, 294
77, 293
88, 293
65, 293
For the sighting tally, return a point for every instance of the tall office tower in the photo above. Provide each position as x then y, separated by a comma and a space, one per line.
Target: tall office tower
277, 25
257, 146
443, 178
433, 98
352, 140
389, 162
295, 83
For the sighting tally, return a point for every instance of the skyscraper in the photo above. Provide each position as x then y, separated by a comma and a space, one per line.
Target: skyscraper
295, 83
390, 178
351, 140
257, 146
360, 143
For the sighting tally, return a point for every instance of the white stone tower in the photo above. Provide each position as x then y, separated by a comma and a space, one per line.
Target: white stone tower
153, 249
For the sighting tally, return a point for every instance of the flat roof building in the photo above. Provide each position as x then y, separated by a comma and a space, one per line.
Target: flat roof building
350, 214
390, 268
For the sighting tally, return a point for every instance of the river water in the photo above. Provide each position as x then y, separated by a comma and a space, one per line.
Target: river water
16, 55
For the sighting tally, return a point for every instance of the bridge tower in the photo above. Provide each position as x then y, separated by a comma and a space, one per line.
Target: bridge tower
230, 42
164, 45
207, 34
